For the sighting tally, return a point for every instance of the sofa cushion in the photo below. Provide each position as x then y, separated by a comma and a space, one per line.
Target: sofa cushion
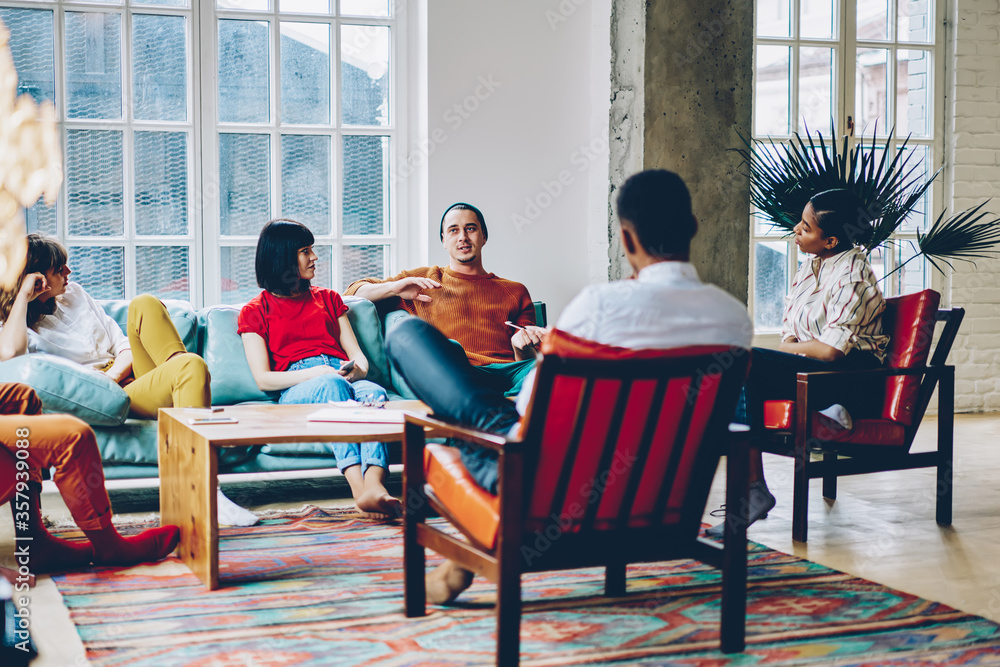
67, 387
181, 313
368, 330
222, 348
909, 323
391, 320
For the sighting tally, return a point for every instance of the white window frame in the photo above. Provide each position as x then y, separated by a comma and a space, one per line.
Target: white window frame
203, 234
845, 46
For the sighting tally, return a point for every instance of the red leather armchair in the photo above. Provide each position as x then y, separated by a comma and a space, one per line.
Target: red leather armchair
882, 441
618, 453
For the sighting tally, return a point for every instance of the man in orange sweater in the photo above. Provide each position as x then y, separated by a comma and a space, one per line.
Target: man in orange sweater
466, 303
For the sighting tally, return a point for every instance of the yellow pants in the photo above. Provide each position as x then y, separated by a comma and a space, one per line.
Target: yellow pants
166, 375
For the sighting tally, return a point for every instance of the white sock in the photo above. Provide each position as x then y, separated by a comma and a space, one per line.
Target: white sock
839, 414
231, 514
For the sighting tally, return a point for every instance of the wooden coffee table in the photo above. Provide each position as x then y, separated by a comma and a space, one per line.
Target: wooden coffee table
188, 459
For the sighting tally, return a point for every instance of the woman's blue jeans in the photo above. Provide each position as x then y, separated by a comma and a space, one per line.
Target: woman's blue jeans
333, 387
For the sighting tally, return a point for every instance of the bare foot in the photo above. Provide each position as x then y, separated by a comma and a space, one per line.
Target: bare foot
446, 581
379, 503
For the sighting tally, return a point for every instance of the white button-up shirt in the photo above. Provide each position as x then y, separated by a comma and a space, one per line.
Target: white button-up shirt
666, 306
79, 330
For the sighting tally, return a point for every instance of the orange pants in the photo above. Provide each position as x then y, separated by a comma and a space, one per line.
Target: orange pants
51, 441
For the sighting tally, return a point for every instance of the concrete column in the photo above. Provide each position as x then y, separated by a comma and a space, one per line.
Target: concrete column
696, 94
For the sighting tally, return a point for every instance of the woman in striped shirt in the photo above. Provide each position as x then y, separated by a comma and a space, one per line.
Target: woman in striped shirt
832, 321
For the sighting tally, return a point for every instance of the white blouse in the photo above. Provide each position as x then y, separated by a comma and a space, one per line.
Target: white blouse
79, 330
837, 301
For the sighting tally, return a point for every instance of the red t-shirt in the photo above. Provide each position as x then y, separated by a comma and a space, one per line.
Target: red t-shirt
297, 327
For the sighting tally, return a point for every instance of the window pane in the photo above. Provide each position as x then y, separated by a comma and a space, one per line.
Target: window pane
41, 219
771, 102
243, 72
364, 71
305, 181
252, 5
877, 258
305, 6
366, 185
324, 266
770, 283
305, 72
93, 65
920, 161
363, 261
873, 19
816, 19
31, 47
159, 74
872, 91
94, 183
773, 18
816, 89
913, 276
163, 271
245, 183
239, 278
161, 181
913, 21
161, 3
364, 7
101, 271
913, 106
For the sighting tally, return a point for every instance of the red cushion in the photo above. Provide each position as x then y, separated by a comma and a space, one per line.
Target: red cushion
909, 323
476, 510
780, 415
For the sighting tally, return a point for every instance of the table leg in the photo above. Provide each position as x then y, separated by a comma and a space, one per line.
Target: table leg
188, 480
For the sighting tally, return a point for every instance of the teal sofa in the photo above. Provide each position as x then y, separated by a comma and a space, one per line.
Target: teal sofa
128, 446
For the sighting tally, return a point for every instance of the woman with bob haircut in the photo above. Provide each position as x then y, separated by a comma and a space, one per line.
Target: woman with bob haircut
832, 321
45, 312
299, 341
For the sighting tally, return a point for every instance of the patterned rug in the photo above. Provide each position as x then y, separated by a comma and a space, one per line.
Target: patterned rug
325, 587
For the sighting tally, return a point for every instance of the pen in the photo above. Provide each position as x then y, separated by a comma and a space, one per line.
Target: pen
511, 324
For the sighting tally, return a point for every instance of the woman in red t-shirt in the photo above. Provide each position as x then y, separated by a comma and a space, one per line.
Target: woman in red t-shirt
298, 341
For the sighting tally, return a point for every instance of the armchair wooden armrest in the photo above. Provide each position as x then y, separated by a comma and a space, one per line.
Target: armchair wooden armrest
448, 430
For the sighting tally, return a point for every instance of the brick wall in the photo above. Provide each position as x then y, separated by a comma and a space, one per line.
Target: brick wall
973, 146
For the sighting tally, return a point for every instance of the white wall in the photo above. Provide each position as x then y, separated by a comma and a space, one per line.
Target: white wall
517, 125
973, 109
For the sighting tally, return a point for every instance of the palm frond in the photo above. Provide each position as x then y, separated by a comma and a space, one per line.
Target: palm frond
784, 177
966, 235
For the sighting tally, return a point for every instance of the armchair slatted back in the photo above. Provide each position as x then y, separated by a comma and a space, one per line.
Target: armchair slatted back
631, 440
909, 322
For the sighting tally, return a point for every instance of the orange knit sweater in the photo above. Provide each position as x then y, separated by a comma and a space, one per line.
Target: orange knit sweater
469, 309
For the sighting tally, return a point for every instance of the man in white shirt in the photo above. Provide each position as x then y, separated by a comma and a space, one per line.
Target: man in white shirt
664, 306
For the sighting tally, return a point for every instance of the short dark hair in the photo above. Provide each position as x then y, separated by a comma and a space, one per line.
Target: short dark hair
277, 260
842, 214
462, 206
657, 206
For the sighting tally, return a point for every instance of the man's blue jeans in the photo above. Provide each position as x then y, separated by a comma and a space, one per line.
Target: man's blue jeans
333, 387
441, 376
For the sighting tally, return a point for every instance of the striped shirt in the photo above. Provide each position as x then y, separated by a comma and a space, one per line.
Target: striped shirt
837, 301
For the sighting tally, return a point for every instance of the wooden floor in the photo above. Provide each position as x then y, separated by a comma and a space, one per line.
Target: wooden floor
881, 527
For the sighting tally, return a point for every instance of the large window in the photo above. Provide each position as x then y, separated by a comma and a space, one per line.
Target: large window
864, 67
185, 127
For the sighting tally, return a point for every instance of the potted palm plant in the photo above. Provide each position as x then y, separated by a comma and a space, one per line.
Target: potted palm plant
784, 176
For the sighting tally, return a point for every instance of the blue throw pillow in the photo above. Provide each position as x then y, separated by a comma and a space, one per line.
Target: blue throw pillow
67, 387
